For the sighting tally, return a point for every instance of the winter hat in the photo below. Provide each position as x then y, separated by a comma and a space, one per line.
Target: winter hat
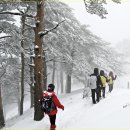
96, 72
51, 87
102, 73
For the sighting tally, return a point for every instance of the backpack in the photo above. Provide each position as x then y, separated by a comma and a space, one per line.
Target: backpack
47, 104
110, 81
103, 79
92, 82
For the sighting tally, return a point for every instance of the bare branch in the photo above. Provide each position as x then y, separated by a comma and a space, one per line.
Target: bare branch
60, 61
49, 60
47, 31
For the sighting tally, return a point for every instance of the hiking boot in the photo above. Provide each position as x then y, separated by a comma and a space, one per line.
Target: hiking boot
97, 101
94, 102
52, 127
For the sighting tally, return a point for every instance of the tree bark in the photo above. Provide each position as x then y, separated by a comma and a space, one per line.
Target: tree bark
38, 61
32, 81
61, 79
69, 74
2, 120
53, 71
22, 67
57, 81
68, 83
44, 72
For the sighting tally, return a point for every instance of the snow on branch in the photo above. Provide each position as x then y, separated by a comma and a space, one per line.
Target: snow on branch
4, 37
38, 21
36, 47
59, 61
29, 27
97, 7
42, 33
15, 13
31, 65
32, 56
25, 9
45, 49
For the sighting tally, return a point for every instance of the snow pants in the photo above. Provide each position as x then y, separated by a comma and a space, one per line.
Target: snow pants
52, 121
110, 87
95, 93
103, 91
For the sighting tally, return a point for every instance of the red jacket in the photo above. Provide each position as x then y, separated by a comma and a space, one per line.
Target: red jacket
55, 100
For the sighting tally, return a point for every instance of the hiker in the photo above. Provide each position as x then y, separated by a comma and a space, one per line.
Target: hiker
111, 79
104, 80
94, 83
56, 102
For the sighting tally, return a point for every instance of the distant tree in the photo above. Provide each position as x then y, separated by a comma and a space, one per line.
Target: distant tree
2, 120
4, 62
97, 7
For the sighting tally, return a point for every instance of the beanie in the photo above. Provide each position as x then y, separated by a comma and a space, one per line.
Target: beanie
51, 87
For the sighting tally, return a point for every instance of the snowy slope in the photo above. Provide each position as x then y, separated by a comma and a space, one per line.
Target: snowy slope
81, 113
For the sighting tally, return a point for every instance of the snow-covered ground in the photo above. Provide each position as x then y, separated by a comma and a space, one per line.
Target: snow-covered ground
81, 113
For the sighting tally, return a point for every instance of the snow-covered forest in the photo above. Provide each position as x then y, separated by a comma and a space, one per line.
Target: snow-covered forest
42, 42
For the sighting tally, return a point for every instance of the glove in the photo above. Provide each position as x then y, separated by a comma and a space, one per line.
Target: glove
63, 108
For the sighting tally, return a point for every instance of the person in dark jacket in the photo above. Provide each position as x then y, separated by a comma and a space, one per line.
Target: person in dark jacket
96, 91
111, 79
52, 115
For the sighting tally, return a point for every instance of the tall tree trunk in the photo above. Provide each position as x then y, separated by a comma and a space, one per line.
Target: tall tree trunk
61, 79
18, 102
44, 72
22, 84
2, 120
85, 82
38, 61
69, 74
57, 82
53, 72
32, 81
18, 97
68, 83
22, 67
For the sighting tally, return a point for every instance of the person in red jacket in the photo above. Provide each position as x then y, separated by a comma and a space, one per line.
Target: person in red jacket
52, 115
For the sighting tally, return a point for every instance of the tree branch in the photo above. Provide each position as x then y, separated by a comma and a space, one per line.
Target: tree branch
29, 26
47, 31
15, 13
4, 37
4, 71
55, 61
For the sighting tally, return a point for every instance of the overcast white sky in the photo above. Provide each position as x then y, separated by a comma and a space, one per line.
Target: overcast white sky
113, 29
